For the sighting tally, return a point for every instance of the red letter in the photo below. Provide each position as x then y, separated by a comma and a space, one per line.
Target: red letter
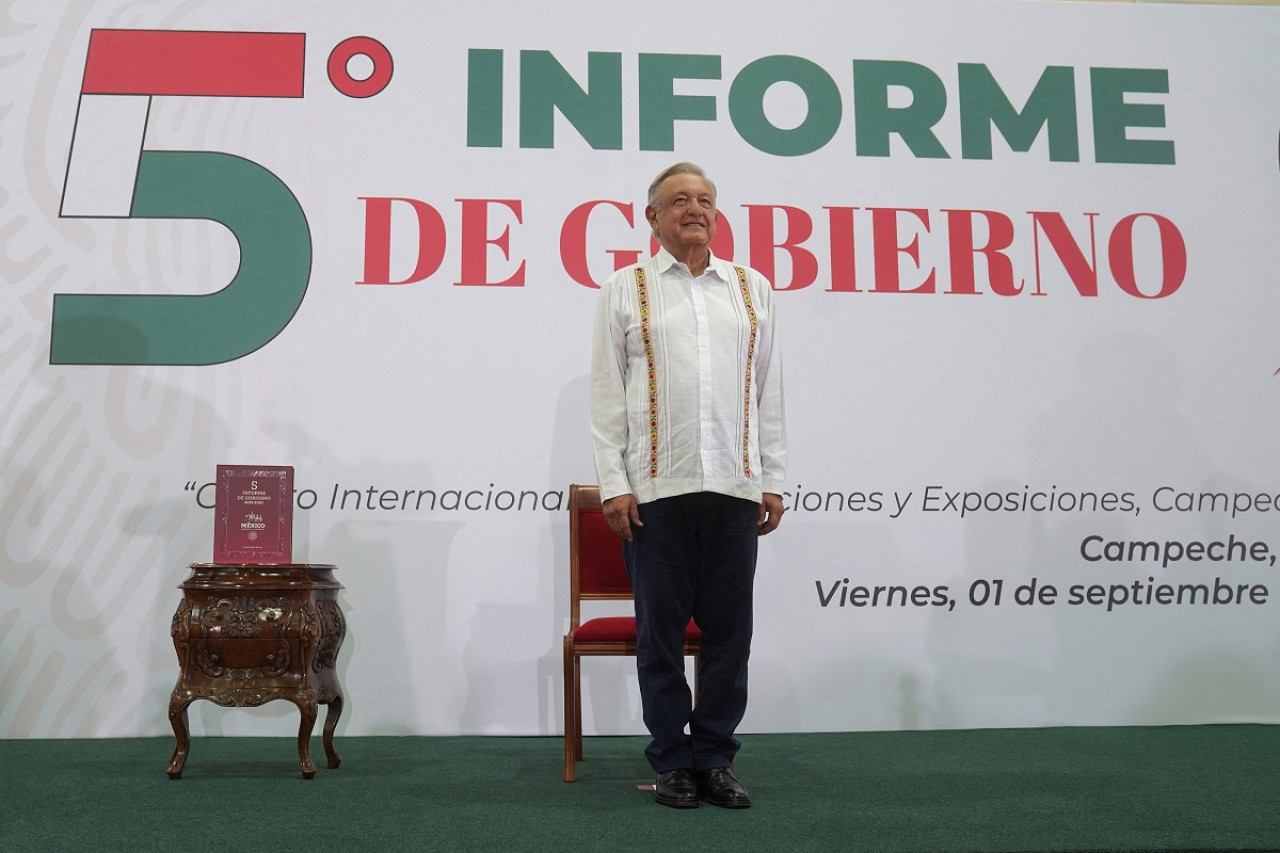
804, 266
573, 242
377, 240
884, 230
1083, 273
1173, 254
476, 242
963, 265
844, 276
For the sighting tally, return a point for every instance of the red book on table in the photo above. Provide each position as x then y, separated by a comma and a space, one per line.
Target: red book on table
253, 514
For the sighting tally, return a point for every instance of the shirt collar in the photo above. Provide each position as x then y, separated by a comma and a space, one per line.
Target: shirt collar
666, 261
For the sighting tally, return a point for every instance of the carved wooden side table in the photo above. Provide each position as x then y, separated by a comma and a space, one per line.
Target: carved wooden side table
247, 634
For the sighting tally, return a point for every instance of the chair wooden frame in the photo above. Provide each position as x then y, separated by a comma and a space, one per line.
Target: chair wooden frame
596, 574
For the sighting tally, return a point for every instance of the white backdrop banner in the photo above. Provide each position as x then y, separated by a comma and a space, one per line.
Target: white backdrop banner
1027, 260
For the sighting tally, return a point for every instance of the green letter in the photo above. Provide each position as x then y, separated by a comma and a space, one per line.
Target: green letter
914, 123
484, 99
595, 113
1052, 103
1111, 115
746, 106
660, 107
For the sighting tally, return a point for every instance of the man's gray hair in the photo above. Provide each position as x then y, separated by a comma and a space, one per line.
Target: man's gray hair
685, 168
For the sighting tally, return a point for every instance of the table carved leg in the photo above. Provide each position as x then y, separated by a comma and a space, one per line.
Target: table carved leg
331, 723
182, 732
307, 708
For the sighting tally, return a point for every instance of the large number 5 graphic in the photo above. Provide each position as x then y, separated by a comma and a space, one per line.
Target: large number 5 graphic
110, 175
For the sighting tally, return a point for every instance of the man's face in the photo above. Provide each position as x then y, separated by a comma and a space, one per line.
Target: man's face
686, 216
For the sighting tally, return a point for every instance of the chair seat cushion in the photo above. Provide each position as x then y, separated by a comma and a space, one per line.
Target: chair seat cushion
620, 629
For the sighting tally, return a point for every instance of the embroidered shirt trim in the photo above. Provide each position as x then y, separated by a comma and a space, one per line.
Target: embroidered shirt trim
751, 357
646, 336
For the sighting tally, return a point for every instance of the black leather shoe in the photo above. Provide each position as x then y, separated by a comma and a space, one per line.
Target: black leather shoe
677, 789
720, 788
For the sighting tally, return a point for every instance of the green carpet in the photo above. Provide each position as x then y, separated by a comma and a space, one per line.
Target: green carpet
1189, 788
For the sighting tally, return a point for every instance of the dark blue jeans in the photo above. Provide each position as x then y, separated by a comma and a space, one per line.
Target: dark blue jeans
694, 557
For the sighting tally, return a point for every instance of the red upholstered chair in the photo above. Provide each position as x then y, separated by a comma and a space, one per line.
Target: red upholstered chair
596, 573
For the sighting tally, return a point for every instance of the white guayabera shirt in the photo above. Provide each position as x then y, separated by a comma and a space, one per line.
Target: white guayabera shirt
686, 383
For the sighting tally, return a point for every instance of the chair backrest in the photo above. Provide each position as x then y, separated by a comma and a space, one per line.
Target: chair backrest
596, 567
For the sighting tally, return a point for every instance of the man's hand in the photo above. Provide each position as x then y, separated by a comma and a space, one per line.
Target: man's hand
770, 513
622, 512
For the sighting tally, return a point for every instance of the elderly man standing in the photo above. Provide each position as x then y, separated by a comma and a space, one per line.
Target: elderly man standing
690, 449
